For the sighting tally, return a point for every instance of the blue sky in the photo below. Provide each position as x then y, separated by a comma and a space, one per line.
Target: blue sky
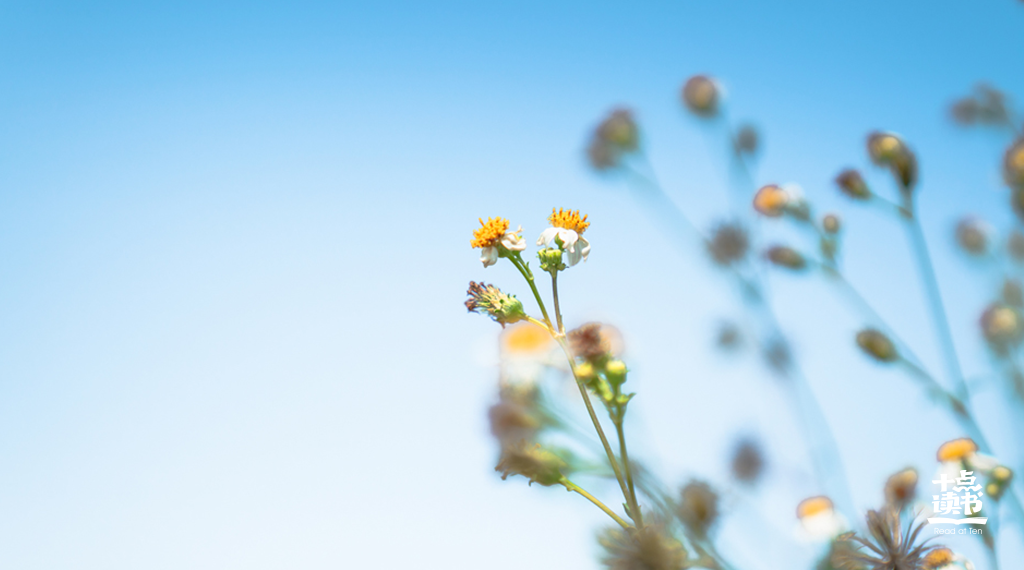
233, 251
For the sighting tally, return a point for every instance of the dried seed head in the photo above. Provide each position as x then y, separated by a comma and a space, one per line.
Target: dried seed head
747, 462
698, 508
531, 461
588, 343
1001, 324
652, 548
701, 96
728, 243
972, 235
901, 487
787, 257
614, 137
489, 300
852, 184
771, 201
1013, 164
956, 450
892, 547
513, 420
877, 345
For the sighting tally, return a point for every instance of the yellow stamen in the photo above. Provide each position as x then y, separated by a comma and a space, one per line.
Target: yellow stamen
957, 449
813, 506
569, 220
525, 338
490, 232
938, 558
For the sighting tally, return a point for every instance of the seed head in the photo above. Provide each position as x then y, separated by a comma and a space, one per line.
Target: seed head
786, 257
728, 243
852, 184
831, 223
701, 96
901, 487
1002, 327
531, 461
890, 546
877, 345
489, 300
652, 548
888, 150
614, 137
972, 235
592, 342
698, 508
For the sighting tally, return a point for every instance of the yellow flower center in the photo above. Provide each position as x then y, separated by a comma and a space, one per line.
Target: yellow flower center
957, 449
569, 220
490, 232
813, 506
525, 338
938, 558
770, 200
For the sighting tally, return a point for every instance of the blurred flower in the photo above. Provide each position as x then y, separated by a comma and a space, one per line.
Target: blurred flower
999, 480
892, 547
698, 507
837, 557
957, 450
593, 342
728, 243
972, 235
494, 239
943, 558
531, 461
875, 344
489, 300
1013, 294
771, 201
1002, 327
614, 137
747, 461
514, 420
818, 518
526, 351
701, 95
831, 224
1015, 246
901, 488
729, 336
1013, 164
986, 106
888, 150
651, 548
852, 184
787, 257
746, 141
566, 232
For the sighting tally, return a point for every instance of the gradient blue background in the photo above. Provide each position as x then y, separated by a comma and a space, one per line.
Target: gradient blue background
234, 246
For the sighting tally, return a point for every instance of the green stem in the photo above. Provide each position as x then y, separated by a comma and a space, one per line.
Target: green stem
634, 506
554, 293
517, 260
570, 486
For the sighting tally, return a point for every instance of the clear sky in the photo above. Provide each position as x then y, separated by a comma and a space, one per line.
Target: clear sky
234, 246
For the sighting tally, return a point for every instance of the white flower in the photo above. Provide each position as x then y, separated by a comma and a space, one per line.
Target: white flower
511, 241
576, 245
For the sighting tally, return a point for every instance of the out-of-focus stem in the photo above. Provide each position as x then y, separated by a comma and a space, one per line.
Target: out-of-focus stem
633, 504
569, 485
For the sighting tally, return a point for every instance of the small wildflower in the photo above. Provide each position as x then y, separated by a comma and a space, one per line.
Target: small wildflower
728, 243
771, 201
747, 462
956, 450
566, 232
972, 235
531, 461
888, 150
877, 345
616, 136
1015, 246
701, 96
831, 224
1002, 327
488, 299
590, 342
852, 184
495, 240
1013, 164
901, 488
892, 547
698, 507
786, 257
651, 548
818, 517
746, 141
551, 259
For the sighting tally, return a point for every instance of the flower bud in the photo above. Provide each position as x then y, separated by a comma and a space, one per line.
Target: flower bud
887, 149
1013, 164
999, 481
489, 300
786, 257
615, 371
531, 461
876, 345
831, 224
701, 96
616, 136
551, 259
852, 184
972, 236
771, 201
901, 487
1001, 324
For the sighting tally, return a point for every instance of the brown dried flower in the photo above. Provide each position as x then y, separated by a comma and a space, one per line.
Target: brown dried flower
889, 547
531, 461
728, 243
852, 184
652, 548
701, 96
698, 508
901, 487
747, 461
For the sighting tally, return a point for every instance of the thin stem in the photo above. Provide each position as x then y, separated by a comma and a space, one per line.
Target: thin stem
570, 486
554, 293
517, 260
540, 324
633, 505
935, 305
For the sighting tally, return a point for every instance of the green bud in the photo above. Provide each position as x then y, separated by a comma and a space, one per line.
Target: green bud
531, 461
489, 300
551, 259
876, 345
615, 371
852, 184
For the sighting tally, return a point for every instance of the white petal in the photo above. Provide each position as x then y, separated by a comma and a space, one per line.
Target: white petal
489, 256
584, 248
573, 257
568, 238
547, 236
513, 241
